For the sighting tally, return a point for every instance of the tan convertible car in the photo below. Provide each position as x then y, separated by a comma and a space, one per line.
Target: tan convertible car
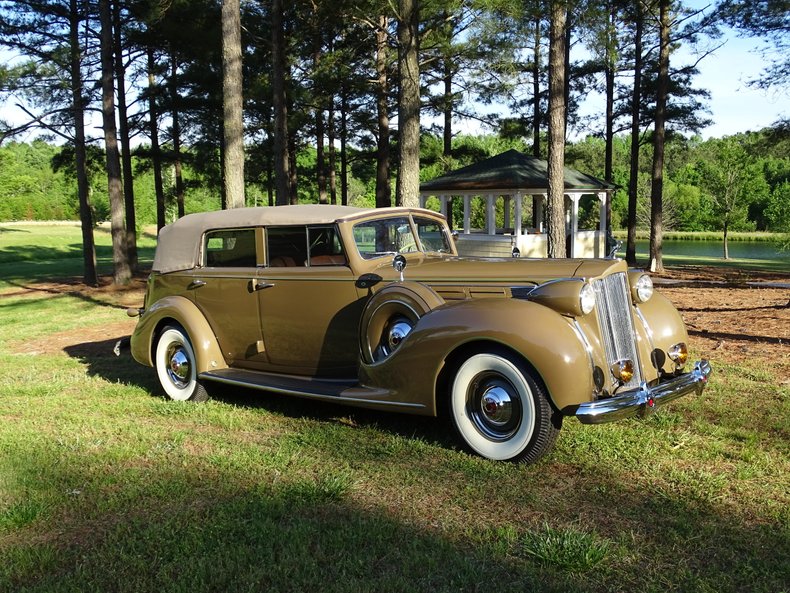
374, 308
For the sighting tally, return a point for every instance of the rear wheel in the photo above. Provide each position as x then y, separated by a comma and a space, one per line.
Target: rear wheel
500, 410
175, 366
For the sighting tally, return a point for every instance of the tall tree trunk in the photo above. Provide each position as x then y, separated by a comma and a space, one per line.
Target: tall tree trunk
567, 48
556, 197
609, 73
633, 181
176, 116
320, 157
89, 275
383, 189
126, 149
408, 185
233, 104
282, 173
536, 63
657, 184
726, 236
156, 152
344, 146
330, 130
121, 274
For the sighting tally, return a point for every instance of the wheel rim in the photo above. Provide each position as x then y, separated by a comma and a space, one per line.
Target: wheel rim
494, 406
179, 367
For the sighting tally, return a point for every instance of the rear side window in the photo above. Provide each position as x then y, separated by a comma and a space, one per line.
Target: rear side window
234, 248
286, 246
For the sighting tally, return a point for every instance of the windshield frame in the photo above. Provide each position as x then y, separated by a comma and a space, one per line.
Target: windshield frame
391, 239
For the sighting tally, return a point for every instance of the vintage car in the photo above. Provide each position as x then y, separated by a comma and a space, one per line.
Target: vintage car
374, 308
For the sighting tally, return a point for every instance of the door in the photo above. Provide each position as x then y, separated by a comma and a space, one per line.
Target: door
310, 308
225, 290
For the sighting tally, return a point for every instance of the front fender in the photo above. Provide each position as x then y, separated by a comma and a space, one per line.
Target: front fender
663, 325
545, 339
184, 312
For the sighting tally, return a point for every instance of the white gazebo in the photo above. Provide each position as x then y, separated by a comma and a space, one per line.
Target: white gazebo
513, 176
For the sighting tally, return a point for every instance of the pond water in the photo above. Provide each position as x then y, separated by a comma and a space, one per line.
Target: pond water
715, 249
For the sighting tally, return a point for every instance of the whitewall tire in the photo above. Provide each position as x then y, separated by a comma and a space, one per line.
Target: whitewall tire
499, 410
176, 366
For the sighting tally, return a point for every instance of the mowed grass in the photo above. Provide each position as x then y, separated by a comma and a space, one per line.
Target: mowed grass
106, 486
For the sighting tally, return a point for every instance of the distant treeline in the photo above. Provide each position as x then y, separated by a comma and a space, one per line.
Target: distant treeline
743, 178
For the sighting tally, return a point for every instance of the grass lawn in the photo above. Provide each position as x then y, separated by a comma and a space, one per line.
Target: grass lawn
106, 486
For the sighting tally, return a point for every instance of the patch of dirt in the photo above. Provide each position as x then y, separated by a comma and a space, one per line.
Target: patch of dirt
728, 322
731, 316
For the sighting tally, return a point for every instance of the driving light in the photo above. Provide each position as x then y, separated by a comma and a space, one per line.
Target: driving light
644, 288
586, 298
623, 370
679, 354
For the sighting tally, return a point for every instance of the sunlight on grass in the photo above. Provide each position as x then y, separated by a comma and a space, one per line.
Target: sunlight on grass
107, 486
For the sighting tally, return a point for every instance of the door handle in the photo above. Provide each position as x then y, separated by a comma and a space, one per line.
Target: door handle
196, 284
261, 284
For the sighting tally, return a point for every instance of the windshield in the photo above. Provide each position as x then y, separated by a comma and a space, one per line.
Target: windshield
388, 236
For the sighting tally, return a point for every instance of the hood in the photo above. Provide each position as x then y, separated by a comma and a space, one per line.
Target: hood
498, 271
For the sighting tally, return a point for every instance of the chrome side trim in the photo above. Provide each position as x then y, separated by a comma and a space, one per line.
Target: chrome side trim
585, 342
644, 400
648, 329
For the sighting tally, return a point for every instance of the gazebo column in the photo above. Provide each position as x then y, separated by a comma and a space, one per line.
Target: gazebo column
467, 218
508, 200
518, 214
539, 202
490, 215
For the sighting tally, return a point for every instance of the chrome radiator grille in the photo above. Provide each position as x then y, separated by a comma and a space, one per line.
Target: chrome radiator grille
613, 302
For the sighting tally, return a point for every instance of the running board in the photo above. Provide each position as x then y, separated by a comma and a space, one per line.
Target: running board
340, 391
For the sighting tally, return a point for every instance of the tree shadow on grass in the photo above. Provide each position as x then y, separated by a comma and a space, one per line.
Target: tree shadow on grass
101, 361
176, 520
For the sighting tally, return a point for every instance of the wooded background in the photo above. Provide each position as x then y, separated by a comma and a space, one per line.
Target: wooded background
332, 95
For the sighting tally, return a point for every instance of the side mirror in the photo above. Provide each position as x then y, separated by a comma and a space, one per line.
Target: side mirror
399, 263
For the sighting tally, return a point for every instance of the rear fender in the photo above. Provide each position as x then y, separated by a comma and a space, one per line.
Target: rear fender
186, 314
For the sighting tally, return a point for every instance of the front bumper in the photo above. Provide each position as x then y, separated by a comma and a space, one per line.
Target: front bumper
644, 399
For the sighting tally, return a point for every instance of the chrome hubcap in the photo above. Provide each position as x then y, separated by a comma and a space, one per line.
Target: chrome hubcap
494, 406
394, 334
178, 366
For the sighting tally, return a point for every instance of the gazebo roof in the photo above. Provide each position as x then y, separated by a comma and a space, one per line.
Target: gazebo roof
510, 171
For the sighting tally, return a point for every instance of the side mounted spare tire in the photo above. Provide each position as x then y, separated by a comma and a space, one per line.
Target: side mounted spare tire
390, 315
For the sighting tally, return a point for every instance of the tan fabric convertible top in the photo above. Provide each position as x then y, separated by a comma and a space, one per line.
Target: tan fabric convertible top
178, 246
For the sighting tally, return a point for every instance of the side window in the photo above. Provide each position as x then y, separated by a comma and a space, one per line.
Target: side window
233, 248
325, 247
286, 246
432, 235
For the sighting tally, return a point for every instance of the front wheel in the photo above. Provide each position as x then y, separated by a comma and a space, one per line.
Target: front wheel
176, 368
500, 410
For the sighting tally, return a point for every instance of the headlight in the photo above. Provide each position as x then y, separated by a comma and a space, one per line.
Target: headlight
587, 298
643, 288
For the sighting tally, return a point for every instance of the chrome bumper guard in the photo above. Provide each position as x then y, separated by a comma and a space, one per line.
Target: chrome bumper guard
644, 400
